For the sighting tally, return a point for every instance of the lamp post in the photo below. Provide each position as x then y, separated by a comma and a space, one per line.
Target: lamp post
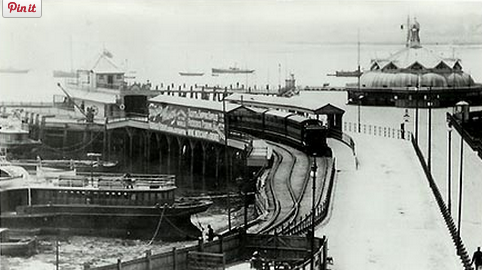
449, 166
226, 156
406, 119
416, 120
429, 156
459, 218
360, 97
314, 168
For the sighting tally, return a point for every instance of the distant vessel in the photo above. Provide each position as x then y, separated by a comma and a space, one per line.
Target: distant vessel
232, 70
13, 70
344, 73
64, 74
191, 73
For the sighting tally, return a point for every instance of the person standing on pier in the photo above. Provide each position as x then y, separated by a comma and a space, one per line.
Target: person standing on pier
477, 259
210, 233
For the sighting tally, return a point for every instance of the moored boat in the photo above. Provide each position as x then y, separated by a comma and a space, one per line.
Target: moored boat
129, 206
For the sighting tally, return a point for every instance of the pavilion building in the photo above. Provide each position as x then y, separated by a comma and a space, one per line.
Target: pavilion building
415, 77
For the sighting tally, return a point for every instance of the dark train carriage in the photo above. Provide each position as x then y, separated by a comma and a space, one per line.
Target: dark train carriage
246, 119
275, 122
314, 140
295, 126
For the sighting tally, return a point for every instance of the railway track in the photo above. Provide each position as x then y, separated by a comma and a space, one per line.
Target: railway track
291, 179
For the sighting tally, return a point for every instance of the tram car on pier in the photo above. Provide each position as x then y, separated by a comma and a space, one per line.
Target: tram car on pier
301, 132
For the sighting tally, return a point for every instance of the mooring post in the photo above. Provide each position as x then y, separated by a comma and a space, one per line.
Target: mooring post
148, 259
221, 248
200, 244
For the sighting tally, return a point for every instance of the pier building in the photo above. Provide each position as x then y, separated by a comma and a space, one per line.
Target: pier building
415, 76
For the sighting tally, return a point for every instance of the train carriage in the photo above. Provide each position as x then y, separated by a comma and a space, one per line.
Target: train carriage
247, 119
286, 127
275, 122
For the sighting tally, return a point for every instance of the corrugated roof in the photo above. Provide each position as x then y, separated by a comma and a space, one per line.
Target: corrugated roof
100, 97
194, 103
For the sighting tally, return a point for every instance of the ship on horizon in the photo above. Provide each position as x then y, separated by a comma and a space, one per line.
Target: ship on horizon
64, 74
13, 70
184, 73
231, 70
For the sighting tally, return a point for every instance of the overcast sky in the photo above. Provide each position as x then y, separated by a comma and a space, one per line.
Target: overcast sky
134, 24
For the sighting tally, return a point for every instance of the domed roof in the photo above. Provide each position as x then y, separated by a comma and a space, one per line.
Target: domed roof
380, 79
415, 66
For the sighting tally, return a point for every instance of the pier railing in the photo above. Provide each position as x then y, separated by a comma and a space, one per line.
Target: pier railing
276, 252
375, 130
343, 137
113, 180
474, 143
21, 104
449, 222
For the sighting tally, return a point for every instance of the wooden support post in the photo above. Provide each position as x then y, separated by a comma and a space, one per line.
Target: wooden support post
131, 147
109, 145
201, 244
217, 167
64, 139
148, 150
105, 141
204, 148
191, 175
168, 155
221, 248
174, 261
179, 161
148, 259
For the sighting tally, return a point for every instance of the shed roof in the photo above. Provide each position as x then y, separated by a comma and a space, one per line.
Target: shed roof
295, 103
96, 96
194, 103
104, 65
297, 118
279, 113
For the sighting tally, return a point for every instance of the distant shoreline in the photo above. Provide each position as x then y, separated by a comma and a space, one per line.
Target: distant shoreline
387, 43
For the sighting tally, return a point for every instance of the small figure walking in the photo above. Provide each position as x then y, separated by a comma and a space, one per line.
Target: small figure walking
256, 261
477, 259
210, 233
